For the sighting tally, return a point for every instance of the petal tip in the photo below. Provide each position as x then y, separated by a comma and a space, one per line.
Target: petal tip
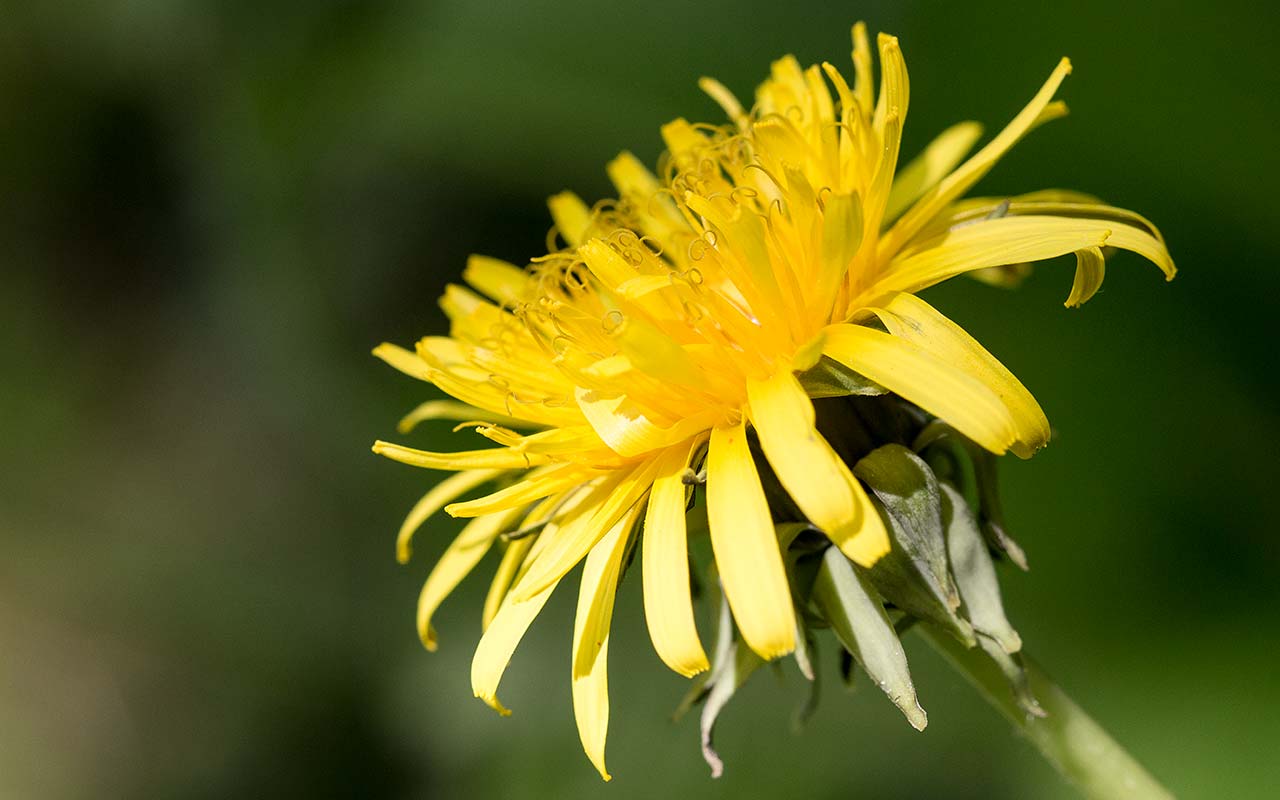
491, 700
916, 716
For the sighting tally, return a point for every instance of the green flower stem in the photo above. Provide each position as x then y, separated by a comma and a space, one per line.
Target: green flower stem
1069, 739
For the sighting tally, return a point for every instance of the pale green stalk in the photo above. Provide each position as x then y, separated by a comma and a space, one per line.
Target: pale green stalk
1069, 739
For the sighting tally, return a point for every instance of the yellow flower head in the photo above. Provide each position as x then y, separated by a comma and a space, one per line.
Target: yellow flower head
677, 325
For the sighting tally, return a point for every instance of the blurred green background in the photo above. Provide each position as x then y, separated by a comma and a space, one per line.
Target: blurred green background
211, 212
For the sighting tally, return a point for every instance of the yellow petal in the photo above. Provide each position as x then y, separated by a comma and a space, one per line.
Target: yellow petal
514, 559
499, 643
514, 616
536, 485
630, 176
934, 385
443, 492
724, 98
816, 478
894, 86
682, 139
842, 228
862, 88
626, 429
511, 562
746, 547
668, 606
591, 638
458, 412
1129, 230
744, 250
990, 243
493, 458
456, 563
931, 166
606, 263
500, 280
652, 351
471, 317
615, 496
969, 173
657, 211
572, 217
404, 360
912, 319
1091, 268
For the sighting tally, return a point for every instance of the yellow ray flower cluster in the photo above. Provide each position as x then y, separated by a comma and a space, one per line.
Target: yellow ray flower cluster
667, 335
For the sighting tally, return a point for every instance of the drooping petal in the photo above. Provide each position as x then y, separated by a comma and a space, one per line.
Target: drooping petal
499, 643
990, 243
668, 606
746, 547
934, 385
912, 319
443, 492
1129, 230
591, 638
514, 615
811, 472
1091, 268
456, 563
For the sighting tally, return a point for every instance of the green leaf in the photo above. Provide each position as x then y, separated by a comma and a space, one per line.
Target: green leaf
830, 378
975, 572
915, 574
854, 611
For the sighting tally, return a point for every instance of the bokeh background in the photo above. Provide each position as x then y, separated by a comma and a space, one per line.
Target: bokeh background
211, 211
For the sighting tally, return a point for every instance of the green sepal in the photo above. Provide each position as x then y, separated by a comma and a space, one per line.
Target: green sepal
1015, 673
810, 705
830, 378
990, 510
848, 670
975, 572
731, 665
799, 578
854, 610
915, 575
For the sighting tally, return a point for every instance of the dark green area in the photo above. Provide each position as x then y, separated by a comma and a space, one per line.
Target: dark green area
212, 210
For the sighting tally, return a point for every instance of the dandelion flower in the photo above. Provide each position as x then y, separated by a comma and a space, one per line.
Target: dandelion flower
677, 337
